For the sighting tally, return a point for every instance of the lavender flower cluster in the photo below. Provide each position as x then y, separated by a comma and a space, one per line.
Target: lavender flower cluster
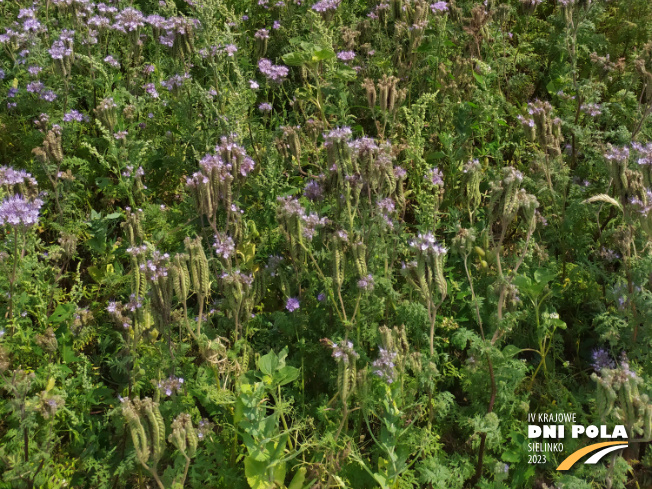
344, 352
275, 73
313, 191
367, 283
289, 208
157, 266
117, 310
171, 385
337, 135
292, 304
439, 7
426, 243
237, 277
601, 359
435, 177
10, 177
18, 211
224, 246
384, 366
326, 5
273, 263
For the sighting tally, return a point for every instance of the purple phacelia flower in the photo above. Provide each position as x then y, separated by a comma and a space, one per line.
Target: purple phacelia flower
292, 304
384, 366
346, 55
426, 243
73, 115
313, 191
344, 352
49, 96
435, 177
224, 246
367, 283
16, 210
326, 5
128, 20
262, 34
275, 73
439, 7
601, 359
112, 61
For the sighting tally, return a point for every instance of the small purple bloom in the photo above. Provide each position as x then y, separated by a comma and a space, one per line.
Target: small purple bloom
112, 61
345, 55
439, 7
435, 176
292, 304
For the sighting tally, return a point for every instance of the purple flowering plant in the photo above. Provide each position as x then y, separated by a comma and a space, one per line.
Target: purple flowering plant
459, 194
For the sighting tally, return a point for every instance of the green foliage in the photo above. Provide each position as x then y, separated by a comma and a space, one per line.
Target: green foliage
322, 244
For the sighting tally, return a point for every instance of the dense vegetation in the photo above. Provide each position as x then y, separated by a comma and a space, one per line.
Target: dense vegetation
336, 244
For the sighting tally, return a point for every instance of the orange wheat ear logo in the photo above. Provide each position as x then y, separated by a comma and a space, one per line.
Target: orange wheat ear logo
607, 447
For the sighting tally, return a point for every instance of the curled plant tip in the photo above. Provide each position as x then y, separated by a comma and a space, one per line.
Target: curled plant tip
343, 351
180, 275
473, 177
147, 429
618, 395
542, 128
170, 386
68, 242
292, 141
370, 89
184, 436
464, 240
199, 272
216, 184
390, 97
106, 113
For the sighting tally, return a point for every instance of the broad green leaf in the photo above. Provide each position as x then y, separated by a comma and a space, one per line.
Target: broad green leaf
268, 363
62, 313
286, 375
295, 58
543, 276
322, 54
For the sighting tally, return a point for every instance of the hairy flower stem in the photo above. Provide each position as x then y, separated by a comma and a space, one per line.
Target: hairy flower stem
543, 351
201, 313
10, 311
432, 313
492, 399
342, 314
154, 474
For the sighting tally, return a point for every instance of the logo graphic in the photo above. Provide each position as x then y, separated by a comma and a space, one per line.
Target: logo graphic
607, 447
546, 439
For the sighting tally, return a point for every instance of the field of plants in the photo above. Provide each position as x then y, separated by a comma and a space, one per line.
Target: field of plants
292, 244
